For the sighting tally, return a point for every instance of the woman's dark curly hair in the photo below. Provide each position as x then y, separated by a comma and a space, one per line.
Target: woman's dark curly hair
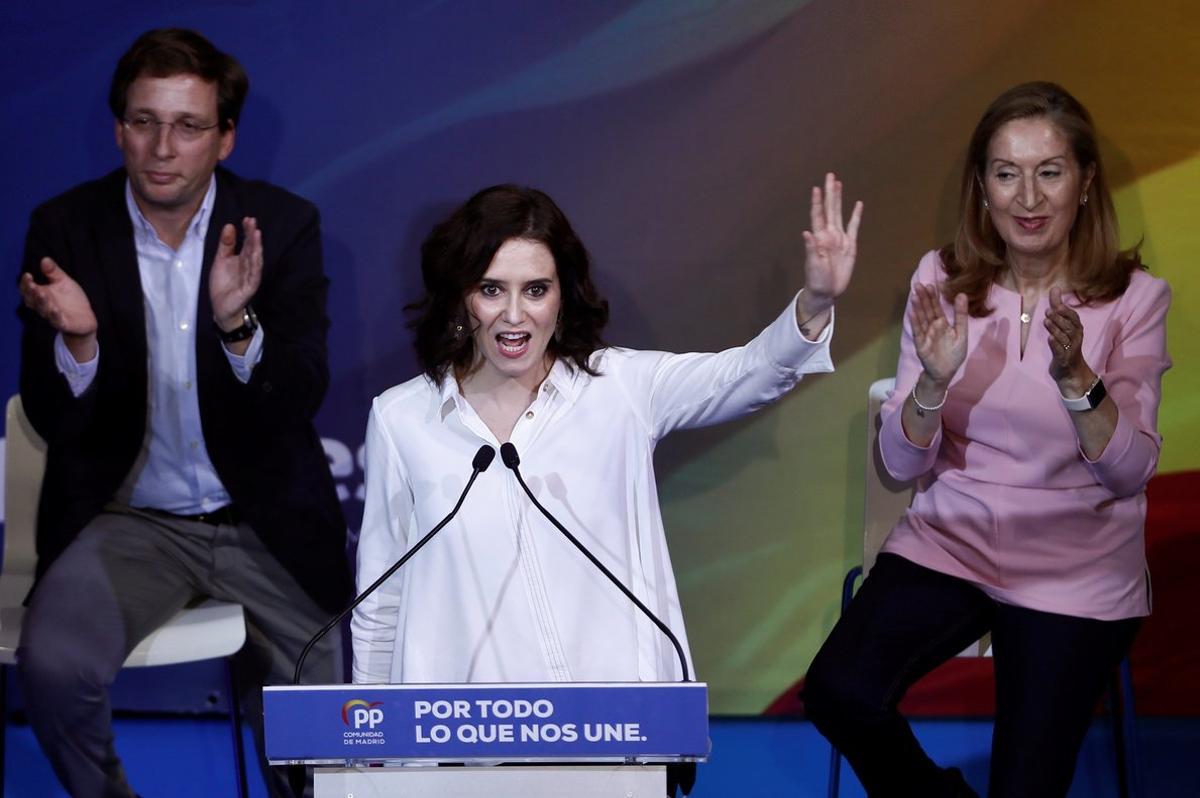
459, 250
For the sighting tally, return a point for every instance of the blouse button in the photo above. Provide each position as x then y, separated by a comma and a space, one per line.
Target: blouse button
529, 414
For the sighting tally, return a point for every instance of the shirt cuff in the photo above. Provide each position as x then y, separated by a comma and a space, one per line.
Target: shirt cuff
79, 375
902, 458
243, 365
1126, 463
788, 349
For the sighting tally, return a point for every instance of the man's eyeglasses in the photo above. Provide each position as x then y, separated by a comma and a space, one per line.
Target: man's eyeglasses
146, 126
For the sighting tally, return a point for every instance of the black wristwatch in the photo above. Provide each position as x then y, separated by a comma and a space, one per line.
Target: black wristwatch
1089, 401
249, 325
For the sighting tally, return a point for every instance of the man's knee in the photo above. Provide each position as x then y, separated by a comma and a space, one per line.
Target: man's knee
60, 673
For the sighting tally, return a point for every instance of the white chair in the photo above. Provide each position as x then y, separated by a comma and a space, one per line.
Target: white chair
208, 630
885, 500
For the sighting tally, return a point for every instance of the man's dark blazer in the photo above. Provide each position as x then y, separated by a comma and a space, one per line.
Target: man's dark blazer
259, 435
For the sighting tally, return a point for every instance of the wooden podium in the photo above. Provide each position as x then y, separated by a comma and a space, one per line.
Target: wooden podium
495, 740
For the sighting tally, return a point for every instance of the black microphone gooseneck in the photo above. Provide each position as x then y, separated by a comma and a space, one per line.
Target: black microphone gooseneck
508, 453
483, 458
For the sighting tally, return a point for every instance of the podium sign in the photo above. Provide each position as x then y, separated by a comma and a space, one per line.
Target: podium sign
615, 722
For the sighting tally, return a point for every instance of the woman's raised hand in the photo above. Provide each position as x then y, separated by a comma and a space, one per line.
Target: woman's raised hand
941, 343
831, 246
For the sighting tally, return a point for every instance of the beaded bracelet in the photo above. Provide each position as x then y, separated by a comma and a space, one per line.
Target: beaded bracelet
922, 409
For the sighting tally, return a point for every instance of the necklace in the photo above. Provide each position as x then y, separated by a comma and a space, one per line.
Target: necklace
1025, 317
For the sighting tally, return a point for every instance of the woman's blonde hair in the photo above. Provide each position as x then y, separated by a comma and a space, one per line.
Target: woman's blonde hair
1098, 270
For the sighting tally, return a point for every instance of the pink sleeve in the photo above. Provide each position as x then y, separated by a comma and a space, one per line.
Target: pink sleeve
1133, 378
903, 459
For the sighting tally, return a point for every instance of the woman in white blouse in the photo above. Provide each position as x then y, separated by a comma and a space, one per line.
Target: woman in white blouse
509, 337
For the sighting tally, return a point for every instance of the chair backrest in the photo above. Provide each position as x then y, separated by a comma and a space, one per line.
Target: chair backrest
886, 499
24, 463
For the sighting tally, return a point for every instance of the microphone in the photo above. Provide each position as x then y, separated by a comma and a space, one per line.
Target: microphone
508, 453
480, 462
483, 458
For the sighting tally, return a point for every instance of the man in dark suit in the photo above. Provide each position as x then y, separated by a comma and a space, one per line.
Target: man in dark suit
173, 357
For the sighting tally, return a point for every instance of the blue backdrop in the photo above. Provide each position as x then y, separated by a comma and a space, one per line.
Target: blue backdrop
387, 115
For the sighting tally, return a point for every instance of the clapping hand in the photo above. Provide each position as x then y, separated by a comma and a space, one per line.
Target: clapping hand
1065, 338
941, 343
235, 277
64, 306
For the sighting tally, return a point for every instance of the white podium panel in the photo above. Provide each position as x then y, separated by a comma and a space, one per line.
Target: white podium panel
525, 781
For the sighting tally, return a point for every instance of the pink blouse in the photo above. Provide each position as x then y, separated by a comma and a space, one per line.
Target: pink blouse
1006, 499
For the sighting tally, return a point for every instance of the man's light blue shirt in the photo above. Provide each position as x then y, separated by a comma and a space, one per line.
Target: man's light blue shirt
173, 471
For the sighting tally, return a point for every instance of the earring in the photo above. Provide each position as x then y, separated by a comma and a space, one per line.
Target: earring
458, 332
1083, 199
985, 204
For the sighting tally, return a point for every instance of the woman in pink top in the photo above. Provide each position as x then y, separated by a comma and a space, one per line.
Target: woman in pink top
1026, 401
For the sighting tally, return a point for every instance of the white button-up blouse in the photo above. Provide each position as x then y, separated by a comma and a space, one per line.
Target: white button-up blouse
499, 595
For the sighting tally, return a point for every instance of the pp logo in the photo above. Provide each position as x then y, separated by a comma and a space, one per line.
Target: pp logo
358, 713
